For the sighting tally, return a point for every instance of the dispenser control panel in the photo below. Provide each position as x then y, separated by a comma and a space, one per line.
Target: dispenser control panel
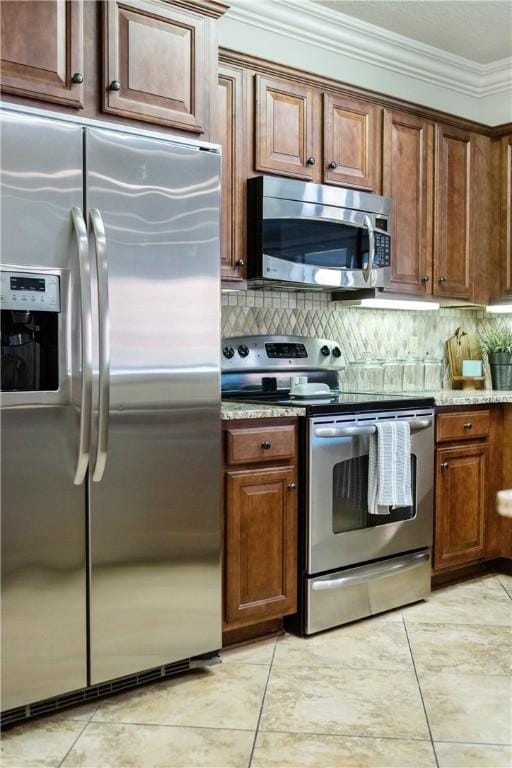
29, 291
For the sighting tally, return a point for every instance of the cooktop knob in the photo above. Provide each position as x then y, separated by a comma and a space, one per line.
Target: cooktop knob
243, 350
325, 351
336, 352
228, 352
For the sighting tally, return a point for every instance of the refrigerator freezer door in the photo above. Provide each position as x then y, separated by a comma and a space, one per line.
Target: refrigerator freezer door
155, 591
43, 512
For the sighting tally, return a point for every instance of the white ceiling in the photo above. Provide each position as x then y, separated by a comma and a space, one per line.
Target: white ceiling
475, 29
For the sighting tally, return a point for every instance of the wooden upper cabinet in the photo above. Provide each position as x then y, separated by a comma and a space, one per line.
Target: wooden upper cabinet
229, 131
452, 249
506, 215
351, 142
284, 140
156, 62
261, 545
461, 499
42, 50
407, 177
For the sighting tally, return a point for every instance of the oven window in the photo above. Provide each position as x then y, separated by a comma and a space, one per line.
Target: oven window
350, 497
316, 243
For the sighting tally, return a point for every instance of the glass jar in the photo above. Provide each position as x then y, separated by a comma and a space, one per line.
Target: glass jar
413, 375
433, 374
353, 376
372, 376
392, 375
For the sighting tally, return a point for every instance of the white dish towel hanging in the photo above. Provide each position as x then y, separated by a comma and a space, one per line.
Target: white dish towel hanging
389, 467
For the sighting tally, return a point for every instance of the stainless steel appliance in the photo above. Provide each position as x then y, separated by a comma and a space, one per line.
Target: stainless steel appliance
317, 236
353, 563
111, 443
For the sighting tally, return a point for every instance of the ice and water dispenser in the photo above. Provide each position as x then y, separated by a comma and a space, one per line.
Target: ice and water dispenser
30, 306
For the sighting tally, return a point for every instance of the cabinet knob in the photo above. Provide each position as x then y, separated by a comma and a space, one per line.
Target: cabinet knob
442, 279
77, 78
115, 85
266, 444
311, 161
291, 486
240, 263
444, 465
468, 425
332, 165
425, 279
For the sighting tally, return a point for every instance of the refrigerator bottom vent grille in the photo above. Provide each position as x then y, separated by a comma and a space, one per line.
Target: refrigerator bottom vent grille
84, 695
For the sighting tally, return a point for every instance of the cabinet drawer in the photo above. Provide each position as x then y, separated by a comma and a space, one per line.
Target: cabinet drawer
247, 446
460, 426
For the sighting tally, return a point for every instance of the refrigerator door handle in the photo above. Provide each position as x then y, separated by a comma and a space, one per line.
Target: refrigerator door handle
100, 246
84, 439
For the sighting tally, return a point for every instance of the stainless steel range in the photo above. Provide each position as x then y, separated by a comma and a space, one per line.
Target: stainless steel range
352, 563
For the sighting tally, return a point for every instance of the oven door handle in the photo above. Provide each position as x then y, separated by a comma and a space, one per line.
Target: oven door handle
410, 561
369, 429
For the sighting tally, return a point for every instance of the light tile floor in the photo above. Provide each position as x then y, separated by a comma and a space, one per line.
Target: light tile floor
428, 686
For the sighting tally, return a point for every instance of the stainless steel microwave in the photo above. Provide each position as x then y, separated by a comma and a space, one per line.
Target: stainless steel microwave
308, 235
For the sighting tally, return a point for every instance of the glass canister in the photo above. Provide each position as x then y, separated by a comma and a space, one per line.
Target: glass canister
433, 374
353, 376
413, 375
372, 376
392, 375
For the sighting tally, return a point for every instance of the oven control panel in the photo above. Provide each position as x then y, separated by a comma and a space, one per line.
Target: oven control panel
256, 353
29, 291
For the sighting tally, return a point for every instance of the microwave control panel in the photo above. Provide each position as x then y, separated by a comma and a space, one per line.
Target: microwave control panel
382, 250
29, 291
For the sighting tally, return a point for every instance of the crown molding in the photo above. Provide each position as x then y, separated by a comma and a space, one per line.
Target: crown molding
338, 33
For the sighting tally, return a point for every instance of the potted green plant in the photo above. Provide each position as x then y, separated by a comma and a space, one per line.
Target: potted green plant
497, 344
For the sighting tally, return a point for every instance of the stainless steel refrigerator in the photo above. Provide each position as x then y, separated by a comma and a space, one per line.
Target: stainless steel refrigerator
110, 403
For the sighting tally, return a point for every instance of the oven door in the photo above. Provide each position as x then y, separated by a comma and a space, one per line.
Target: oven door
341, 531
323, 246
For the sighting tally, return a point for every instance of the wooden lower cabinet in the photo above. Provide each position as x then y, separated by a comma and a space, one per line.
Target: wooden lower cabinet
260, 546
461, 502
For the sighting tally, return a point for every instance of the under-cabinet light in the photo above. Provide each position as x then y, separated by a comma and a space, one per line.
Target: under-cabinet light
399, 304
499, 308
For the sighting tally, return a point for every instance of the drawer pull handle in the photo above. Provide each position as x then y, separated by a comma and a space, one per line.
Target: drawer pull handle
266, 444
332, 165
468, 425
444, 465
291, 486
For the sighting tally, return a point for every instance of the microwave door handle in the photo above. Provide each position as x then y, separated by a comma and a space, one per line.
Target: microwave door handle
84, 272
100, 246
367, 273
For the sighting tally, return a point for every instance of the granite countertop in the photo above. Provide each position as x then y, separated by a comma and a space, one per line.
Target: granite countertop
451, 397
231, 410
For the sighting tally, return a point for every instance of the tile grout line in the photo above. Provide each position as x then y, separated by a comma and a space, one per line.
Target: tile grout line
78, 737
262, 704
420, 692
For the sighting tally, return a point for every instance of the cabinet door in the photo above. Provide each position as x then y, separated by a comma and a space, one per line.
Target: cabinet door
408, 179
155, 63
506, 214
285, 143
452, 253
261, 545
42, 49
229, 132
461, 494
351, 142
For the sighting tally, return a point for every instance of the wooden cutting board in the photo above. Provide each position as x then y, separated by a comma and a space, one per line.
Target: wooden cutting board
463, 346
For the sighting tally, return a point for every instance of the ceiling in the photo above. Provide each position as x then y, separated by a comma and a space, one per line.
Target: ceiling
477, 30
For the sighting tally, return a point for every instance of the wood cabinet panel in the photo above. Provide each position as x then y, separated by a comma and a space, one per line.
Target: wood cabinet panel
461, 499
452, 253
351, 140
506, 214
155, 68
261, 545
284, 141
462, 426
42, 50
258, 444
408, 179
229, 131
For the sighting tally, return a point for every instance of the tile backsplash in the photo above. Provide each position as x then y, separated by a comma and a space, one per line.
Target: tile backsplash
361, 333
